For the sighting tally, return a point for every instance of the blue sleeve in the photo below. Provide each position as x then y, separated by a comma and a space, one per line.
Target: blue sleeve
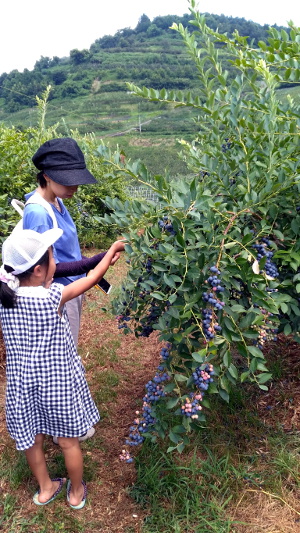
36, 217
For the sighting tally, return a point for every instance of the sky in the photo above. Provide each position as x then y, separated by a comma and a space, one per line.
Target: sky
31, 29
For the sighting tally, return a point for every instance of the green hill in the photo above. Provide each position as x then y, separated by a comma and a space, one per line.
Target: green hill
89, 91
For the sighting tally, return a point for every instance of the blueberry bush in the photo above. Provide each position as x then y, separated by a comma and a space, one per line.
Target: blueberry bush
213, 266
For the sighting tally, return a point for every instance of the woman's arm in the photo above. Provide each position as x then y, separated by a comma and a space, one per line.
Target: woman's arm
83, 284
83, 266
76, 268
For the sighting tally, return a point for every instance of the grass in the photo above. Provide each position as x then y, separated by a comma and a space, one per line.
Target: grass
198, 491
187, 495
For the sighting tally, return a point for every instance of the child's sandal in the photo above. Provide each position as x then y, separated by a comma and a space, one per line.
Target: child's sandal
62, 481
82, 503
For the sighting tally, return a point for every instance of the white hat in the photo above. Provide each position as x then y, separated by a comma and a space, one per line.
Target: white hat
24, 249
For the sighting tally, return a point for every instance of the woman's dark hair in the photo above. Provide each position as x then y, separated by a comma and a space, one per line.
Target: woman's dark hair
41, 180
8, 297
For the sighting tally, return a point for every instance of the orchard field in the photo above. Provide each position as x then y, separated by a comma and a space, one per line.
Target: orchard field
240, 475
195, 367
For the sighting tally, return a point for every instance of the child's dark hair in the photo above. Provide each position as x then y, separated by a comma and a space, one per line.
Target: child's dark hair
41, 180
8, 297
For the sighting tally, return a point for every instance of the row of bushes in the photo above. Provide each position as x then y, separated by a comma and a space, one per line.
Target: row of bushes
18, 177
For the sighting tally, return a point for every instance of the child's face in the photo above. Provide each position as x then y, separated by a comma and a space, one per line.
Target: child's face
50, 270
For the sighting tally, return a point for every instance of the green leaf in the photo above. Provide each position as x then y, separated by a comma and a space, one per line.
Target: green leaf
169, 281
236, 308
171, 449
244, 376
180, 447
169, 387
174, 437
287, 329
233, 371
256, 352
284, 307
227, 358
199, 356
262, 378
158, 295
180, 377
172, 402
178, 429
224, 395
213, 389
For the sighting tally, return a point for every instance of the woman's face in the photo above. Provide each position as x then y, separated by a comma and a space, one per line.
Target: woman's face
61, 191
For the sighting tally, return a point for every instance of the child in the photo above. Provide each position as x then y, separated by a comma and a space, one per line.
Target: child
47, 392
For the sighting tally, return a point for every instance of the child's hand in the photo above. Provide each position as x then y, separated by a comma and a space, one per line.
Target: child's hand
115, 258
120, 245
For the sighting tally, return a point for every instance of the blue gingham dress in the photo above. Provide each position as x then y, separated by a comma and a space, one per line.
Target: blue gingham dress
46, 388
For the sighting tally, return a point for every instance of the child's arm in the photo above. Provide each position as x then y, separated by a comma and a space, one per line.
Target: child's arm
83, 284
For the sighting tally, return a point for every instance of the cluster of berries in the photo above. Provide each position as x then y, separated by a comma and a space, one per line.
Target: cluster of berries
209, 319
146, 419
191, 406
122, 319
148, 264
154, 388
236, 294
226, 145
165, 352
266, 331
202, 378
125, 456
261, 248
165, 224
81, 210
149, 320
203, 174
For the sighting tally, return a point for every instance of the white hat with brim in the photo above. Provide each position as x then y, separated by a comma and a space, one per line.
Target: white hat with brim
25, 248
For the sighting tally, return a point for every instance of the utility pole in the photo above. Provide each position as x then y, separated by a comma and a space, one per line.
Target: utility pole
140, 124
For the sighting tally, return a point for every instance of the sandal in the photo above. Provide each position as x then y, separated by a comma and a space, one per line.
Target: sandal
61, 480
82, 503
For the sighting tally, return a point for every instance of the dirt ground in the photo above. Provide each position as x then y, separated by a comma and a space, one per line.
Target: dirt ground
110, 508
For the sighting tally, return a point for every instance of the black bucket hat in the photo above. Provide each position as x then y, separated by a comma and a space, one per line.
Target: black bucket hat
63, 162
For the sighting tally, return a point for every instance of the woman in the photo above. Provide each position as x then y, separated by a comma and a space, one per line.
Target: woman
62, 169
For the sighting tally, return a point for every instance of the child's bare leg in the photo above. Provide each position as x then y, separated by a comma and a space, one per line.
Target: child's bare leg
74, 464
36, 459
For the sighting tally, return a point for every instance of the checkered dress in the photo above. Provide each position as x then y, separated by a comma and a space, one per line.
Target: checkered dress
46, 388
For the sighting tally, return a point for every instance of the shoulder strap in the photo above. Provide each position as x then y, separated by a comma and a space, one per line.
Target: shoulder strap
36, 198
18, 205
